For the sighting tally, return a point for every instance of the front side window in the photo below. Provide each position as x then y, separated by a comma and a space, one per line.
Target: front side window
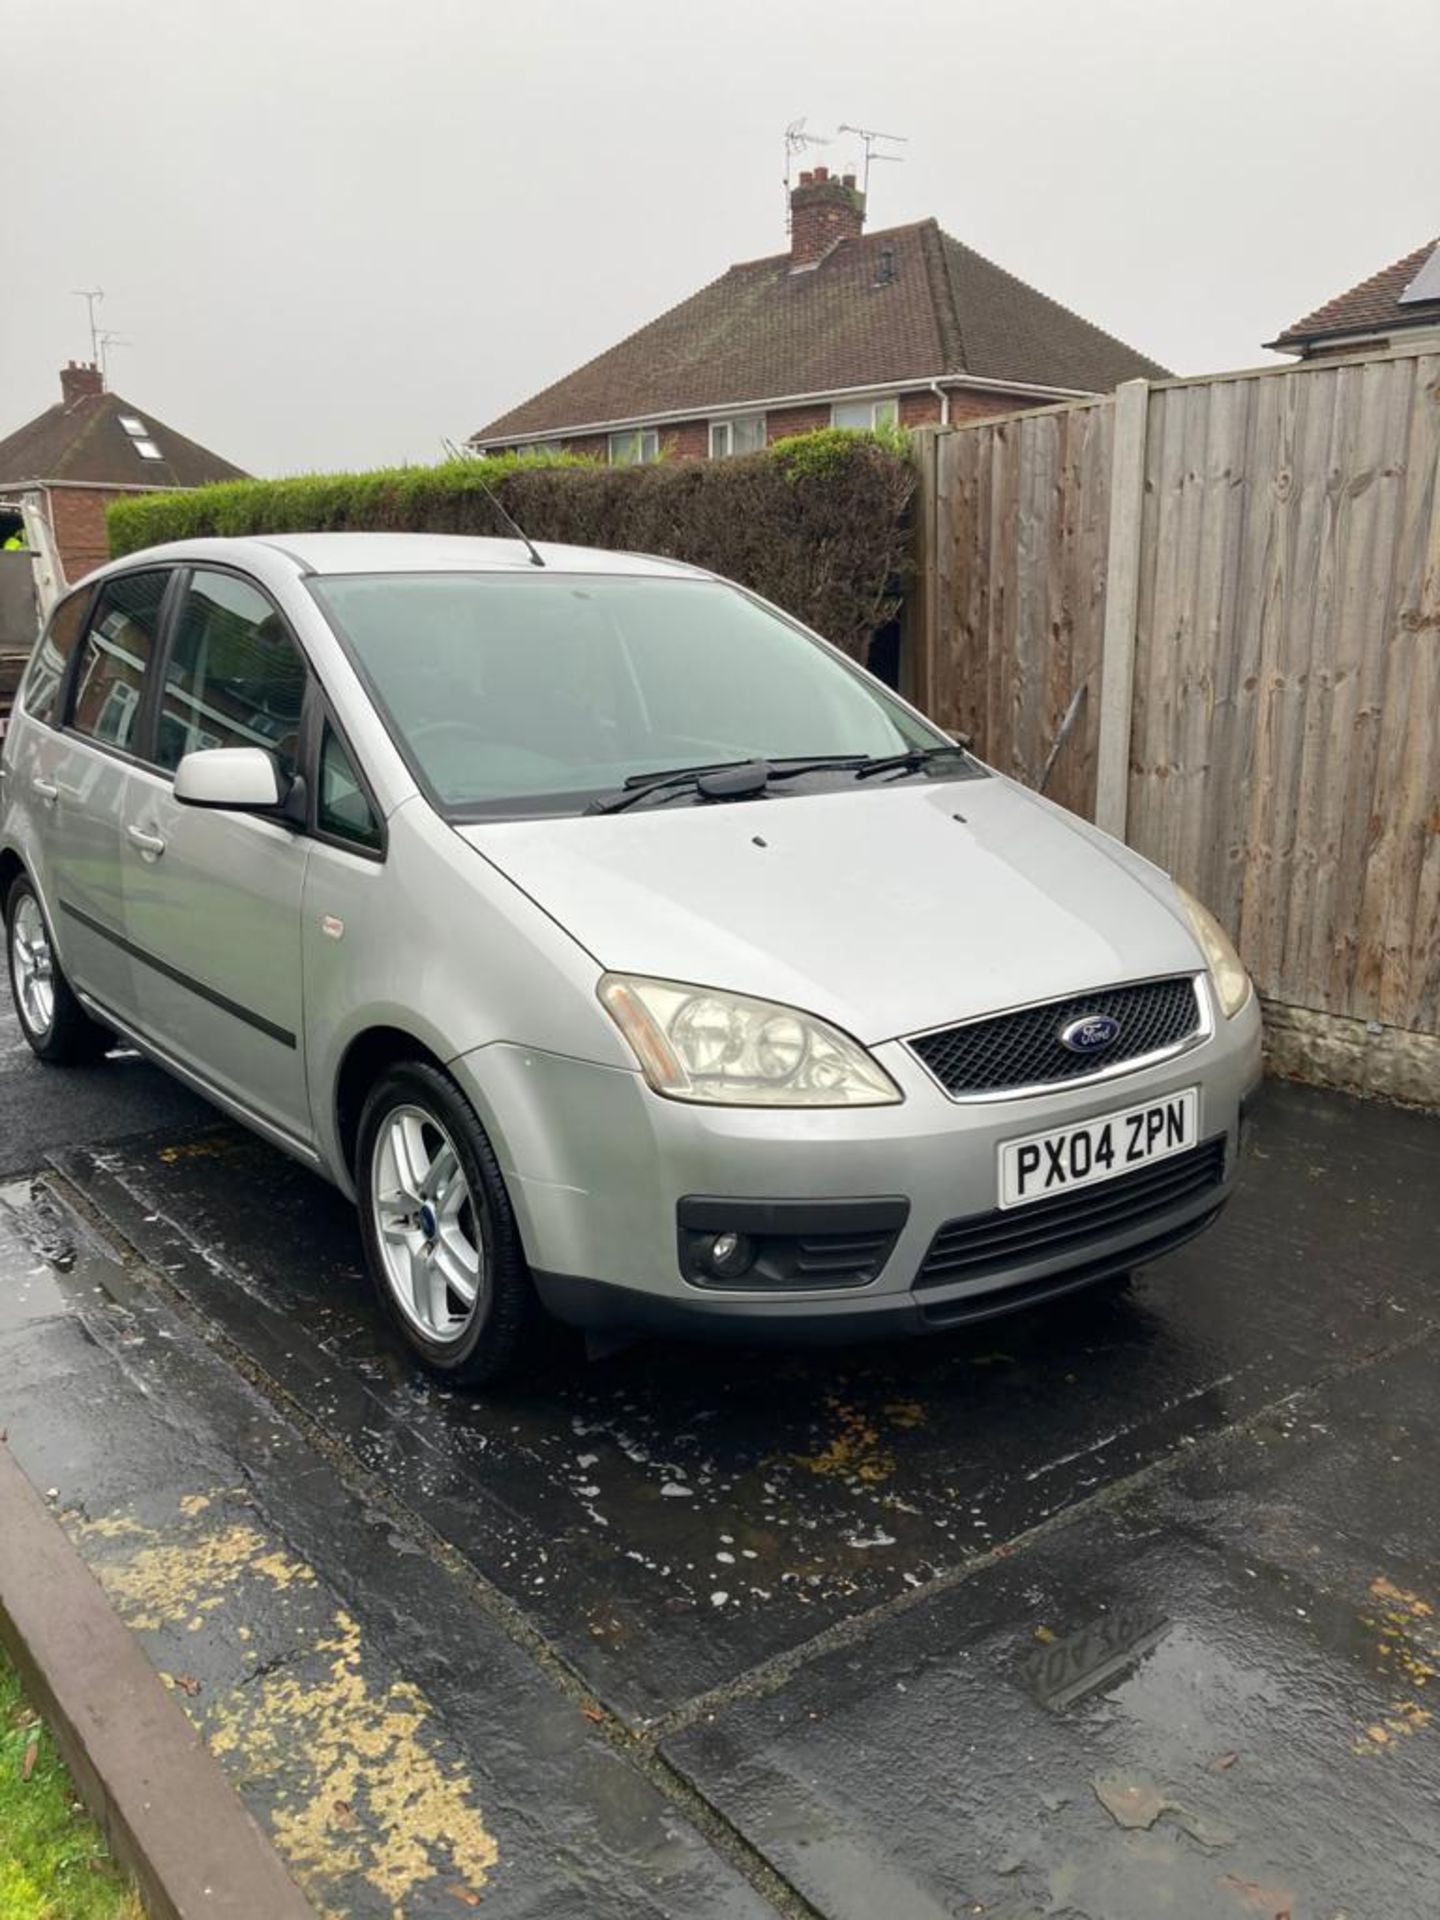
52, 657
235, 677
868, 415
341, 806
634, 449
745, 433
118, 647
533, 694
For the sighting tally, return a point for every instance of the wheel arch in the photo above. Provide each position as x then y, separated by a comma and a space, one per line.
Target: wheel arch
11, 868
365, 1058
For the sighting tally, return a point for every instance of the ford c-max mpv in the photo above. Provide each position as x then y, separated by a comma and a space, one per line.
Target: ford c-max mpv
614, 941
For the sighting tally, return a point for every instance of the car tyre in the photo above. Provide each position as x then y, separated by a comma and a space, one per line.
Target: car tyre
57, 1027
440, 1237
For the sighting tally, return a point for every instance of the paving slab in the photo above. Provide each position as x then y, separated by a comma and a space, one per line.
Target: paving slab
677, 1516
404, 1754
1215, 1697
40, 1108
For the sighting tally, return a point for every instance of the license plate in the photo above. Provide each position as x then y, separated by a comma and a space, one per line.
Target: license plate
1101, 1149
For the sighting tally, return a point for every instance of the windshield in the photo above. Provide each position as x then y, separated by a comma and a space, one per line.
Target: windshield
531, 694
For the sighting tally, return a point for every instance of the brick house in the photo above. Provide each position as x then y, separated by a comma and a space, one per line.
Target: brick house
92, 447
851, 329
1398, 306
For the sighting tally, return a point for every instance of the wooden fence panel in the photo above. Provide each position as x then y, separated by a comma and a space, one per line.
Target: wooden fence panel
1285, 729
1022, 526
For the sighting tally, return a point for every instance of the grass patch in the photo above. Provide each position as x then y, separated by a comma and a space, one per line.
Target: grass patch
53, 1861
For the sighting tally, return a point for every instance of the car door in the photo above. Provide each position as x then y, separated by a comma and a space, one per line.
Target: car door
84, 786
213, 898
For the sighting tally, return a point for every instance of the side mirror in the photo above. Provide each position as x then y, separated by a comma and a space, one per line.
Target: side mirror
244, 779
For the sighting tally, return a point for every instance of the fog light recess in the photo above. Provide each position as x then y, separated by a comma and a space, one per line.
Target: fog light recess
786, 1246
729, 1255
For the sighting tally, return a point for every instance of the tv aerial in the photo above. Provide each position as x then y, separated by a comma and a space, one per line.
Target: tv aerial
92, 297
797, 140
871, 138
106, 342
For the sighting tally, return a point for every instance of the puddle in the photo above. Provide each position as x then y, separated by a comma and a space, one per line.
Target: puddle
45, 1267
1061, 1673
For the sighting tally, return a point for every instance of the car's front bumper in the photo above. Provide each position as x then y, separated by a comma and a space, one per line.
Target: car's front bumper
598, 1167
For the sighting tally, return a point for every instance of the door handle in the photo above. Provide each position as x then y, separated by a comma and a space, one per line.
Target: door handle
147, 842
47, 789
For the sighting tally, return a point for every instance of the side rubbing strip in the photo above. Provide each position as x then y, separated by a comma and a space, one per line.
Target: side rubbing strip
261, 1025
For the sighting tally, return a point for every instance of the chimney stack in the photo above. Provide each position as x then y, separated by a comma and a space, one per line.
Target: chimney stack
80, 381
825, 209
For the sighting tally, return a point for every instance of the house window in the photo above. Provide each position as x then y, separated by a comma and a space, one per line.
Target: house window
745, 433
634, 449
866, 414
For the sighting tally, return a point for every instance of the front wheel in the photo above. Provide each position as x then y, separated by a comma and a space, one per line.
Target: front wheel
440, 1236
52, 1020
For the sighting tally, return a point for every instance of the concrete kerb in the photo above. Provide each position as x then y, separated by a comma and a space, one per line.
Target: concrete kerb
171, 1817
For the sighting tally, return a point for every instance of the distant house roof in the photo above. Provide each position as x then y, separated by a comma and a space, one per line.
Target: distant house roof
84, 437
1389, 300
905, 304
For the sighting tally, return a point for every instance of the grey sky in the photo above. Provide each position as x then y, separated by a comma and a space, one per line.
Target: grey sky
336, 231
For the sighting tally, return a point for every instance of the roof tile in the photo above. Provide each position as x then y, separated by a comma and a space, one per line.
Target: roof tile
85, 441
905, 303
1374, 303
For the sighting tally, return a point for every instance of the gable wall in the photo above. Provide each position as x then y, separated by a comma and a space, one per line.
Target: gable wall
77, 519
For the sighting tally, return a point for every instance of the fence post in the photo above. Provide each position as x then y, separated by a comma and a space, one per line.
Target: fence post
922, 609
1122, 594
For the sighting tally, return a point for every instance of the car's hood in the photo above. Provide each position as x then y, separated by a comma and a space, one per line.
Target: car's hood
886, 911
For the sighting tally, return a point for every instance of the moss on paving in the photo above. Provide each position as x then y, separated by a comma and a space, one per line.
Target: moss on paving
53, 1862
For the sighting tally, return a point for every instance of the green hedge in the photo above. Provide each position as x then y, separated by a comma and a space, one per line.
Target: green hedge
818, 523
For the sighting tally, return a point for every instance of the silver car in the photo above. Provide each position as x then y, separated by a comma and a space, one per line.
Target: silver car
614, 942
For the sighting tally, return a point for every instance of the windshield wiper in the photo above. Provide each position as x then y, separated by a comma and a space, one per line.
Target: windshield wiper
911, 761
745, 779
714, 781
729, 780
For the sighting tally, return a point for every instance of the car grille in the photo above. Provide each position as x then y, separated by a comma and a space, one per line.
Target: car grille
1069, 1222
1007, 1051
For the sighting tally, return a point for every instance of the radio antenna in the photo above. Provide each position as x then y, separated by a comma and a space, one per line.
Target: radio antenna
511, 522
468, 453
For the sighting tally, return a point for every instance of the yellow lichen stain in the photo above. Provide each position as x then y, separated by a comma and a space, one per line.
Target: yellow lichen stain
169, 1582
377, 1802
1408, 1648
196, 1150
857, 1451
364, 1793
1410, 1604
108, 1526
194, 1504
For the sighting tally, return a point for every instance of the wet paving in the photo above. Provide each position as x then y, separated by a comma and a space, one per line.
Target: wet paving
1122, 1608
678, 1514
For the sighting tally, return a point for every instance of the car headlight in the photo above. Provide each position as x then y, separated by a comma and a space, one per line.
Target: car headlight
1232, 983
697, 1043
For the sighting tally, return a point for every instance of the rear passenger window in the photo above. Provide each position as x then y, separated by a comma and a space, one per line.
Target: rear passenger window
235, 678
341, 807
52, 657
119, 642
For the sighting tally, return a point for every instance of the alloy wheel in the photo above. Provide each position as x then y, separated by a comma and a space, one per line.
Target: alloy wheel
32, 966
426, 1224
